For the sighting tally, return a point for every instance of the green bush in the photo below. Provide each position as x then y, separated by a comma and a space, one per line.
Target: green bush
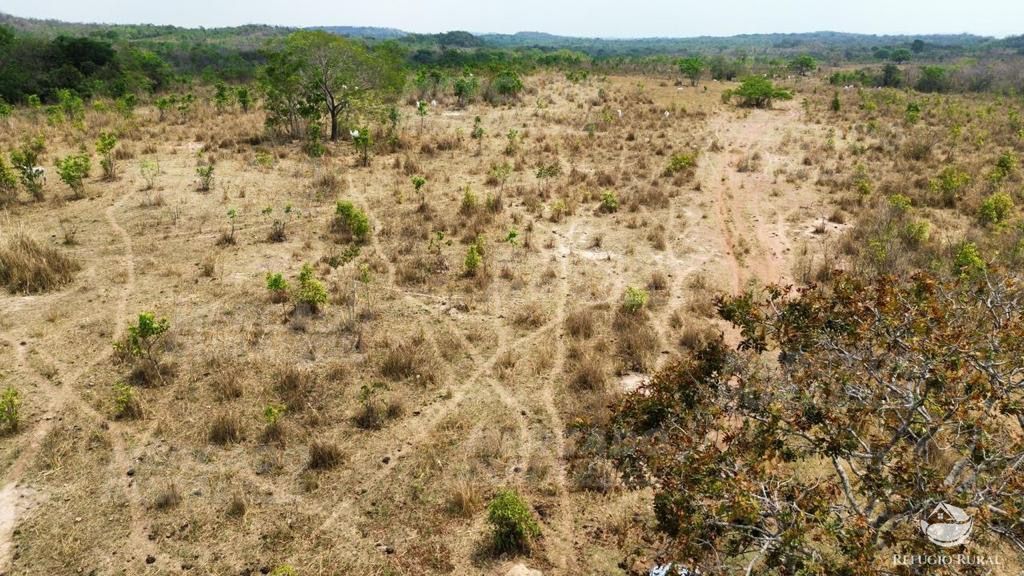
126, 405
105, 148
73, 170
636, 299
8, 184
9, 404
277, 286
681, 162
968, 260
311, 292
950, 184
353, 221
25, 159
996, 208
205, 173
474, 259
609, 202
514, 526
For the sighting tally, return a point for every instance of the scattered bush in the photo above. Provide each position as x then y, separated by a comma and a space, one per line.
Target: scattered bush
105, 148
609, 202
73, 170
10, 402
278, 287
311, 292
635, 300
995, 209
126, 404
514, 528
352, 222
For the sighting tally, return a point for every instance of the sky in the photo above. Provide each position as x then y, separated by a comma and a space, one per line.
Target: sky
602, 18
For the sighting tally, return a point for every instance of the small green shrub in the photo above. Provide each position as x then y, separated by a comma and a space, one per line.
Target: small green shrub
73, 171
995, 209
9, 404
140, 343
514, 528
311, 291
474, 258
950, 184
636, 299
205, 174
968, 261
680, 163
277, 286
352, 221
126, 404
25, 160
609, 201
149, 170
105, 148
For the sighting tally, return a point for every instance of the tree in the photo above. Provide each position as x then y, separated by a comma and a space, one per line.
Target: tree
892, 76
888, 397
342, 72
758, 92
900, 55
933, 79
692, 67
803, 65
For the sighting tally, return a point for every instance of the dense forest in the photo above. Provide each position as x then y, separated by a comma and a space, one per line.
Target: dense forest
38, 58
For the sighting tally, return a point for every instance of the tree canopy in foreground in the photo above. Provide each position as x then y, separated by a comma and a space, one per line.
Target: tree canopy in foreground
848, 412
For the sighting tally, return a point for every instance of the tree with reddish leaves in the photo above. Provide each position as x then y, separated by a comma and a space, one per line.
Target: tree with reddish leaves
847, 413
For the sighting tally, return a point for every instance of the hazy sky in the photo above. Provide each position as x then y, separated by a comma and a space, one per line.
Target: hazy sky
607, 18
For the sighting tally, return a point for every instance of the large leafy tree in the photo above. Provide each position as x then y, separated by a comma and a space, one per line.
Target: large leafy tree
692, 67
341, 72
848, 413
758, 92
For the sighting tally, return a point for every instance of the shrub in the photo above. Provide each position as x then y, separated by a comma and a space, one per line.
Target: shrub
73, 170
609, 202
9, 404
968, 260
140, 343
374, 412
149, 170
950, 183
680, 163
513, 524
996, 208
8, 184
277, 286
1005, 167
126, 404
205, 174
636, 299
311, 291
29, 267
105, 148
25, 160
352, 221
474, 259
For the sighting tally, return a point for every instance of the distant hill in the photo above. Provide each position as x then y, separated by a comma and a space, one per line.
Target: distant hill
252, 36
370, 32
